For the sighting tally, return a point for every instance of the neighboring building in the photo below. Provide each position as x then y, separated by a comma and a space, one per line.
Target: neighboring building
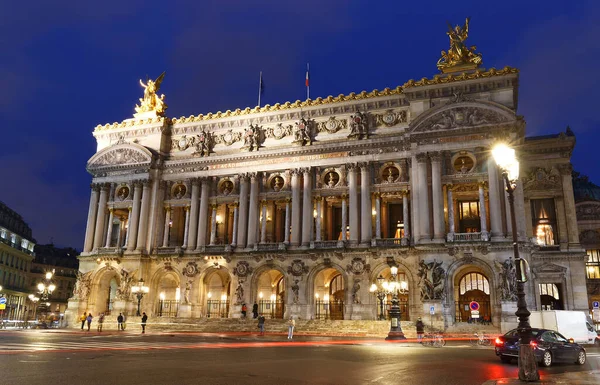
16, 255
63, 263
302, 206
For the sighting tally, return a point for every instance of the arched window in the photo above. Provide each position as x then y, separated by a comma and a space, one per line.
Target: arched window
549, 289
474, 281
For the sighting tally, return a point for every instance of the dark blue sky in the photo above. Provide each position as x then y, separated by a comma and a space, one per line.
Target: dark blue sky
67, 66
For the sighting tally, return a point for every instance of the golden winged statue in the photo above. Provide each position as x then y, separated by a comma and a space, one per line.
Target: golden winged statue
151, 102
459, 56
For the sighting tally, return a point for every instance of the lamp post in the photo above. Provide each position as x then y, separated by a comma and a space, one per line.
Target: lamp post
381, 292
508, 163
140, 290
45, 288
34, 299
394, 288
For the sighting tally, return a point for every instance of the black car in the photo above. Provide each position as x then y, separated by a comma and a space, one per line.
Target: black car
548, 346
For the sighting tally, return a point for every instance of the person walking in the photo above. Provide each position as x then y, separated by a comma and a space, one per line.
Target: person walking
144, 319
100, 322
89, 320
120, 322
420, 329
261, 324
291, 325
254, 310
244, 310
82, 319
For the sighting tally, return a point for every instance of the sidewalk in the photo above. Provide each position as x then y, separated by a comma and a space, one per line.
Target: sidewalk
590, 377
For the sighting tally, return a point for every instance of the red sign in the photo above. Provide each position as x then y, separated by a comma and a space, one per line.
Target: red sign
474, 306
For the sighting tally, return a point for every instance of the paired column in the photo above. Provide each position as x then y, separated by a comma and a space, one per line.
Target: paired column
167, 230
186, 227
243, 213
101, 217
366, 226
195, 206
296, 214
353, 202
483, 212
414, 199
439, 227
263, 224
127, 226
567, 186
377, 215
307, 207
234, 232
253, 211
286, 230
213, 224
405, 215
424, 231
143, 221
451, 226
344, 218
110, 226
318, 201
132, 229
202, 216
494, 199
91, 220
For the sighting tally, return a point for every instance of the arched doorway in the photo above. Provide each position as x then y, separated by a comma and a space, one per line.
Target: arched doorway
270, 294
217, 286
550, 297
103, 292
384, 297
473, 286
168, 296
330, 293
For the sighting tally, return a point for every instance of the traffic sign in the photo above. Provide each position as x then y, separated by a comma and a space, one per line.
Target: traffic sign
432, 310
2, 300
475, 314
596, 305
474, 305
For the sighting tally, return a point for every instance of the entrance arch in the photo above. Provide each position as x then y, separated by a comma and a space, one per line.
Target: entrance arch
473, 286
269, 292
329, 287
167, 294
103, 291
216, 292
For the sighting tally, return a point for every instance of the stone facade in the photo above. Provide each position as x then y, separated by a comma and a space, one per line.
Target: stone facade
300, 207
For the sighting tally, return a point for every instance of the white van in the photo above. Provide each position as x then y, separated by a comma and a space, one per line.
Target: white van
571, 324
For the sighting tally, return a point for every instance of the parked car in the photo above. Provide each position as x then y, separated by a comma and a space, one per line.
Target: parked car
549, 346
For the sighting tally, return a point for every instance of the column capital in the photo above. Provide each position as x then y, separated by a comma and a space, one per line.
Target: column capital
288, 200
422, 157
344, 196
565, 169
111, 209
351, 167
404, 193
436, 156
242, 176
376, 195
186, 208
364, 166
449, 186
482, 184
195, 181
213, 206
263, 202
129, 208
318, 198
235, 205
306, 170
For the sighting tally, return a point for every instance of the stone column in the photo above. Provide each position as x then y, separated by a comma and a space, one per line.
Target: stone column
203, 215
318, 201
296, 214
213, 225
377, 215
482, 213
286, 229
414, 200
101, 217
167, 227
423, 193
129, 210
439, 227
193, 229
353, 203
110, 226
344, 217
366, 225
186, 228
135, 217
143, 221
494, 199
243, 213
307, 207
235, 225
567, 187
263, 225
253, 211
451, 228
91, 220
405, 217
121, 229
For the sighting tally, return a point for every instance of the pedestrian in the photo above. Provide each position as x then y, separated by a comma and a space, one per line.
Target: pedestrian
82, 319
261, 324
89, 320
144, 319
100, 322
420, 329
120, 322
254, 310
291, 325
244, 310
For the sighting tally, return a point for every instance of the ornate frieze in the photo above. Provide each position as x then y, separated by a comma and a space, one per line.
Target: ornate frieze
279, 131
588, 211
358, 266
541, 179
191, 269
228, 138
390, 118
121, 156
332, 125
242, 269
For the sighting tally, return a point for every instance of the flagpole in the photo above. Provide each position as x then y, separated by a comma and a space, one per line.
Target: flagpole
307, 82
259, 87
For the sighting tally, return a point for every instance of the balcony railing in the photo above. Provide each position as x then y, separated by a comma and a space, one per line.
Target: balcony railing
168, 250
468, 237
266, 247
110, 250
327, 244
390, 242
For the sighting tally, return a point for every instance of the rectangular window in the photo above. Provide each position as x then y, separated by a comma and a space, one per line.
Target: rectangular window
592, 265
468, 217
543, 215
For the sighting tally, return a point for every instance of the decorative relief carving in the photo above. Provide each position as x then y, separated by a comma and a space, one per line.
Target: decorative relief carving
332, 125
228, 138
358, 266
242, 269
123, 192
588, 211
359, 126
431, 280
182, 143
121, 156
178, 191
302, 133
589, 237
203, 143
459, 117
507, 274
541, 179
279, 131
191, 269
297, 268
252, 138
390, 118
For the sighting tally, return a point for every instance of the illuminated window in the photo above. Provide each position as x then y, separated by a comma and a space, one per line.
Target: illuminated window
544, 221
592, 265
468, 212
549, 289
474, 281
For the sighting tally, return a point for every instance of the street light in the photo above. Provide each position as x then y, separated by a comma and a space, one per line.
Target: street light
382, 289
140, 290
507, 161
45, 288
34, 299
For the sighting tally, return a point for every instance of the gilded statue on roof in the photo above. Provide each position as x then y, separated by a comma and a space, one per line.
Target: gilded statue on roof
151, 102
459, 56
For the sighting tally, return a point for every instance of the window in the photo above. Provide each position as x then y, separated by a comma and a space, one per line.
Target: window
543, 215
474, 281
592, 265
468, 212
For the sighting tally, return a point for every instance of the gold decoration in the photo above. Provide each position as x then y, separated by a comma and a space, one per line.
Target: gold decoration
459, 57
151, 101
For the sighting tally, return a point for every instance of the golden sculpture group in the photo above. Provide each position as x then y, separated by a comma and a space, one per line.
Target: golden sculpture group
151, 102
459, 57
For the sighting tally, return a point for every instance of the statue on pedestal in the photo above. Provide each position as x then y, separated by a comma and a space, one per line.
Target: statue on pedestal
151, 102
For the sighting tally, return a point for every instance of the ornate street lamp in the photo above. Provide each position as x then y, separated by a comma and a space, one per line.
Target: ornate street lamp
508, 163
45, 288
382, 290
140, 290
35, 300
381, 293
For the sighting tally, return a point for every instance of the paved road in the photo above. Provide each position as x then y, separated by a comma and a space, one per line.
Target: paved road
38, 357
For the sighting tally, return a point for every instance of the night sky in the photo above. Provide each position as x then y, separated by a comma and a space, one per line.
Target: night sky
66, 66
